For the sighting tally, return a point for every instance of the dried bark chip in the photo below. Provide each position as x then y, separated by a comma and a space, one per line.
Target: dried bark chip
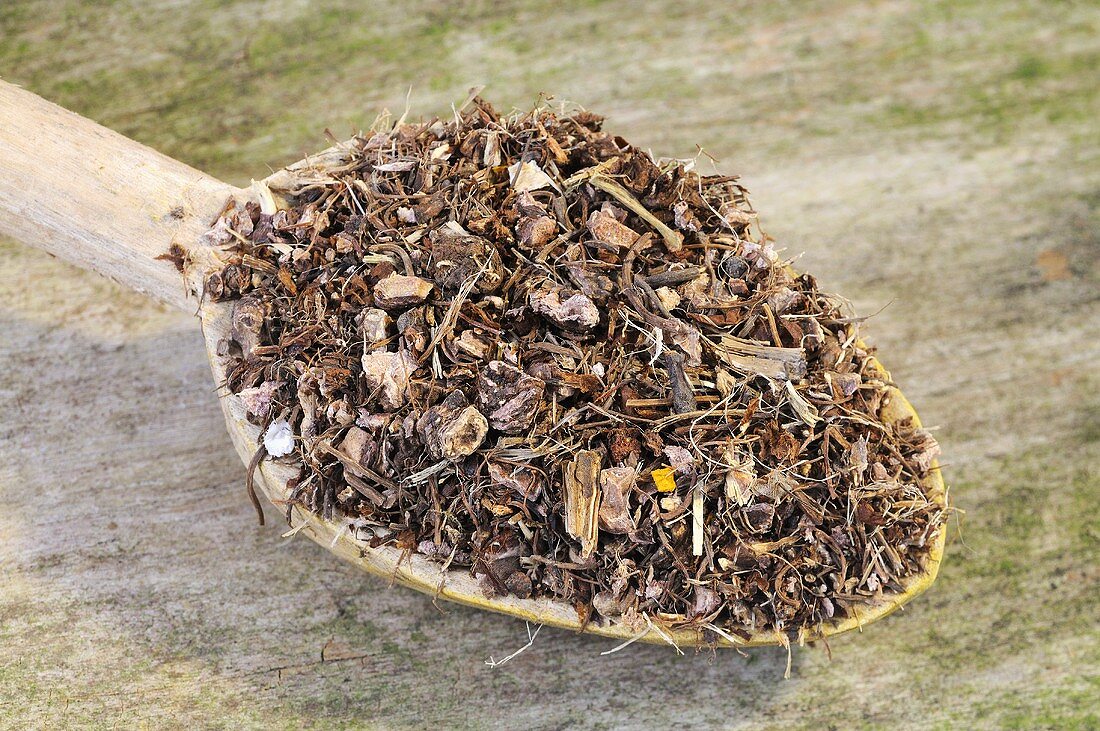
606, 604
518, 584
843, 385
413, 327
508, 396
355, 444
398, 291
706, 602
669, 297
535, 228
623, 443
375, 324
586, 383
857, 457
249, 315
536, 232
784, 300
683, 218
457, 259
759, 517
928, 449
473, 344
582, 498
680, 459
257, 400
592, 284
501, 563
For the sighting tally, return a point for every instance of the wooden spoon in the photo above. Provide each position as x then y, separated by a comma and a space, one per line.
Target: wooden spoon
104, 202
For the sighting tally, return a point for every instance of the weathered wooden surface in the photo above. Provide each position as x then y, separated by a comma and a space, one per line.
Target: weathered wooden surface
95, 198
939, 160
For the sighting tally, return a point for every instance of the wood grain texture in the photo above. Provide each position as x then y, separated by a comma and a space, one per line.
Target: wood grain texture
97, 199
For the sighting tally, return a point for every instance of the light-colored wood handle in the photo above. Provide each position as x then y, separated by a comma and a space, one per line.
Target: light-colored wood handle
97, 199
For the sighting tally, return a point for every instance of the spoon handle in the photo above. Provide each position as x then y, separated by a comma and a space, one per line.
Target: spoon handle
97, 199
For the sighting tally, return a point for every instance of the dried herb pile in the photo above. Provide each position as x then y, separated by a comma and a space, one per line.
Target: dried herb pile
525, 349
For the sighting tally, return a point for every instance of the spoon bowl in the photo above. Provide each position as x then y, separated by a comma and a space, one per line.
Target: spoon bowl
107, 203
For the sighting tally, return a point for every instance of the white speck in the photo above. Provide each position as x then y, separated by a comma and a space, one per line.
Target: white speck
279, 439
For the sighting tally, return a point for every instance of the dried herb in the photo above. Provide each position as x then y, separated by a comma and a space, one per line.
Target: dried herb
524, 348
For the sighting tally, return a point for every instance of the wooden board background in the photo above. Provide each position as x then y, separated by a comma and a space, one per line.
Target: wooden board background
937, 159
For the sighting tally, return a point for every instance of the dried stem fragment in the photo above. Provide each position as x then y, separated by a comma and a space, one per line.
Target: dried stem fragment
582, 498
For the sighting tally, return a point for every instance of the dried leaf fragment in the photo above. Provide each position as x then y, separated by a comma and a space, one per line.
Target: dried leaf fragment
527, 175
664, 478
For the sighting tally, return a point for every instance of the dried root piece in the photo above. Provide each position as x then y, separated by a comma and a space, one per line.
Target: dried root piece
509, 396
457, 259
566, 309
453, 429
398, 291
249, 315
388, 374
